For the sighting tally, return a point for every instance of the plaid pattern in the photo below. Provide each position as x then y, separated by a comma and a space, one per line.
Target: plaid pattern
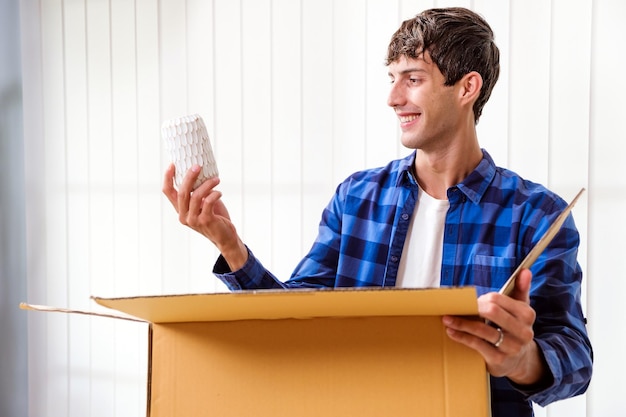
495, 218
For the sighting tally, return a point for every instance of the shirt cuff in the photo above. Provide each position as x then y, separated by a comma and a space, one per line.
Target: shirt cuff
540, 391
251, 276
232, 278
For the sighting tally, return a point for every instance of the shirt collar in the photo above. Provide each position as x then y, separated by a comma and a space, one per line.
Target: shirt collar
405, 168
476, 183
473, 186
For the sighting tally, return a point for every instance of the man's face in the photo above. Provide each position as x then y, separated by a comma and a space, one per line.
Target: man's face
427, 109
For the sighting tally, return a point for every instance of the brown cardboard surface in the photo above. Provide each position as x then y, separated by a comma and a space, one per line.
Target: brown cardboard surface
353, 352
49, 309
271, 304
374, 366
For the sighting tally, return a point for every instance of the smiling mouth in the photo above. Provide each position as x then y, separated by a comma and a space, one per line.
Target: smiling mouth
407, 119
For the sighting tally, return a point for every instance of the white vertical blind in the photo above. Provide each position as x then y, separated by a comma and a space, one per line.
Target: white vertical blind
285, 135
294, 97
606, 227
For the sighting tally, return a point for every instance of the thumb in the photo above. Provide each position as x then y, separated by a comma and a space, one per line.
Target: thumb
522, 286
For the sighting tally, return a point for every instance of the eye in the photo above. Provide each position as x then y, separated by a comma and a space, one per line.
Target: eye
414, 80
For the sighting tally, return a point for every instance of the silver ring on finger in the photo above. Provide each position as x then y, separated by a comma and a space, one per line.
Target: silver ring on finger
500, 338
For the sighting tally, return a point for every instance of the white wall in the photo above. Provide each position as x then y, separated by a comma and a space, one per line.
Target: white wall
293, 94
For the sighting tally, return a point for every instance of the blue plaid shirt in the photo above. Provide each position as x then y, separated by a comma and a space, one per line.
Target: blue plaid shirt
495, 218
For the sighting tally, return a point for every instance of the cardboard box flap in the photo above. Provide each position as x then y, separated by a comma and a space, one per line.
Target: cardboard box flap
50, 309
298, 304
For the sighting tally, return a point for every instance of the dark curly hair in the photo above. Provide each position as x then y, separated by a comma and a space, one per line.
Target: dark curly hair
458, 41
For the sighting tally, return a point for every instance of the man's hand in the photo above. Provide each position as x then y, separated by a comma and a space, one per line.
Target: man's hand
516, 356
203, 211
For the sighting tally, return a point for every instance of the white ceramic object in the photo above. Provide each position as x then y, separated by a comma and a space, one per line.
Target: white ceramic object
187, 142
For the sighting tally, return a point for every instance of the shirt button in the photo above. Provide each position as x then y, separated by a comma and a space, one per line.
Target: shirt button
394, 259
405, 216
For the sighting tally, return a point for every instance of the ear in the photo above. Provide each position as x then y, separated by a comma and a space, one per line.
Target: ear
470, 86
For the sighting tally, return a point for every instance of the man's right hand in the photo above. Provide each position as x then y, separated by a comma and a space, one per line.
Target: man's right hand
203, 211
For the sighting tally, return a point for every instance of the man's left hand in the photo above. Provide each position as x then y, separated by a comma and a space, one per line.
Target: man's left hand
505, 336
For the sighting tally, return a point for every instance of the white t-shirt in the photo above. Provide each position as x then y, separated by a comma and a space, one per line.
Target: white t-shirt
420, 265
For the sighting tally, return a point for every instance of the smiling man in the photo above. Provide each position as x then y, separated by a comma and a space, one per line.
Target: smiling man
444, 215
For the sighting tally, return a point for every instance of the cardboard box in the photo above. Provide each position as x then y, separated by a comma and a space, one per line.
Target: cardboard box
353, 352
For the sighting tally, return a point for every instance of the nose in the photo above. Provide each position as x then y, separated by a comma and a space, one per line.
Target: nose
395, 96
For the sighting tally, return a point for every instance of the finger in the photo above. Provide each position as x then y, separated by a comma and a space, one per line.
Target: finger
485, 347
196, 203
514, 317
521, 290
168, 186
475, 328
207, 185
479, 337
503, 311
190, 178
208, 204
184, 193
497, 359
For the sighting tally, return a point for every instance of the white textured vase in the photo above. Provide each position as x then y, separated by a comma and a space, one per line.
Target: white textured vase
187, 142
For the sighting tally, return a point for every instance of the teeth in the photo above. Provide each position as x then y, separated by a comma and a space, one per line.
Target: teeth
406, 119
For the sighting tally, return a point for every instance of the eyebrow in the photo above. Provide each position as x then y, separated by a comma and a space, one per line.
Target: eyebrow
409, 70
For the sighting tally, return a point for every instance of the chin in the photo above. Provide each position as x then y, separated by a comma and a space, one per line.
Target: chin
410, 142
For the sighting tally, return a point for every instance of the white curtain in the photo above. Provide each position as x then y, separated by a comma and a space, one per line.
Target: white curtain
13, 342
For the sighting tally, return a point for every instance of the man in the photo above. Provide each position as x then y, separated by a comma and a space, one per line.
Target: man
445, 215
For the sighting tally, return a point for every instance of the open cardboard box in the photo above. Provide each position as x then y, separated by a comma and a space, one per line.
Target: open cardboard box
352, 352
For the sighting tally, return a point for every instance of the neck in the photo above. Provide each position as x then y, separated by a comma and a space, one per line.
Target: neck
439, 170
